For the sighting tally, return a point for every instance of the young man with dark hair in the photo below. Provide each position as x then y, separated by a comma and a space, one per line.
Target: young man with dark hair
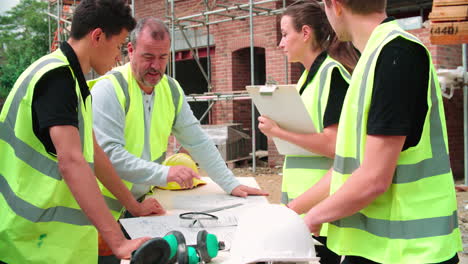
50, 203
390, 196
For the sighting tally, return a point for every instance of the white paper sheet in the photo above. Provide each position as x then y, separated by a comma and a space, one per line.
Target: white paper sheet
206, 197
159, 226
204, 202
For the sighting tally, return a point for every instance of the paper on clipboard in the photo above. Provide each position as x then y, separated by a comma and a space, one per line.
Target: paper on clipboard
283, 104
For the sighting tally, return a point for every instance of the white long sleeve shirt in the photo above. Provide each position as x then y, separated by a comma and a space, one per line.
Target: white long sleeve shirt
109, 124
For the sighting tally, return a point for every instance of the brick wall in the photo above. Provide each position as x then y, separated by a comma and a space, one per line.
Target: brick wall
231, 63
231, 67
241, 78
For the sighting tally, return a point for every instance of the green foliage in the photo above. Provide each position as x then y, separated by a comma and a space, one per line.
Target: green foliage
24, 37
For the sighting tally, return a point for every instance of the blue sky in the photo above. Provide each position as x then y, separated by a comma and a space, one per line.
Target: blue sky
7, 4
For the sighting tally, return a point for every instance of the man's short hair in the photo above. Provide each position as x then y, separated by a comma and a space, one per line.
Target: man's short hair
363, 7
158, 28
112, 16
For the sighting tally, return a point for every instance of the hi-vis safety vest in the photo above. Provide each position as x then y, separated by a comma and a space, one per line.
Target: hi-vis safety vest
415, 220
302, 172
167, 104
40, 220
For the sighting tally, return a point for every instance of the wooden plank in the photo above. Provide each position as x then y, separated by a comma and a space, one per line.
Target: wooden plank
449, 2
449, 33
449, 40
449, 13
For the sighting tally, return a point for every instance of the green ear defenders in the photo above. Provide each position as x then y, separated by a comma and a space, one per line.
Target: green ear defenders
204, 251
172, 248
155, 250
208, 246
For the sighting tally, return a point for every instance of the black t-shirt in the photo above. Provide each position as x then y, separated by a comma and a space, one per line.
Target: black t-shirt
399, 100
338, 88
54, 101
399, 97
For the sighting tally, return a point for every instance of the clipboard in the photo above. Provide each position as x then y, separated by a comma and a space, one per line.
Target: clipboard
283, 104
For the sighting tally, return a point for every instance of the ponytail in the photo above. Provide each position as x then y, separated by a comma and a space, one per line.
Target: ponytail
343, 52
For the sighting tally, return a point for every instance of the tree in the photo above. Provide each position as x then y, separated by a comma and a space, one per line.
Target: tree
24, 37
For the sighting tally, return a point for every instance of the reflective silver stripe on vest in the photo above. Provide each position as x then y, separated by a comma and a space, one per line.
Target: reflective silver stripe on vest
175, 93
175, 97
345, 165
23, 88
22, 150
438, 164
81, 129
319, 163
410, 229
36, 214
113, 204
344, 72
124, 85
285, 198
323, 78
29, 155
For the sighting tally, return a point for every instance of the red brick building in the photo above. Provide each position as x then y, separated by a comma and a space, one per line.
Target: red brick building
229, 60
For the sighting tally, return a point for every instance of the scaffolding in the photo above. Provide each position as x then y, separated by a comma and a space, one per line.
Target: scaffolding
215, 12
61, 11
202, 19
212, 98
222, 12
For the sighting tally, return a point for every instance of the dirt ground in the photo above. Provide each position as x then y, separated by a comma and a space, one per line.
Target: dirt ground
462, 200
269, 180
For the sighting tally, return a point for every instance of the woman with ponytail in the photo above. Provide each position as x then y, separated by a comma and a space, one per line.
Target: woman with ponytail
308, 38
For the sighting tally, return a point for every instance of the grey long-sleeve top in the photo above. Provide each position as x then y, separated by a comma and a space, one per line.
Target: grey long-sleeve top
109, 124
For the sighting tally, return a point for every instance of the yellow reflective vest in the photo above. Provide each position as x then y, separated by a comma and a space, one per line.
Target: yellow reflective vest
300, 172
167, 104
415, 220
40, 220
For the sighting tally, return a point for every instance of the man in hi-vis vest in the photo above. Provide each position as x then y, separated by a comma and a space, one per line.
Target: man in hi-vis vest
390, 197
136, 108
50, 202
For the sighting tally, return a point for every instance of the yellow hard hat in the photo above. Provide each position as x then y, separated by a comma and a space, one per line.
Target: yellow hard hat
184, 160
